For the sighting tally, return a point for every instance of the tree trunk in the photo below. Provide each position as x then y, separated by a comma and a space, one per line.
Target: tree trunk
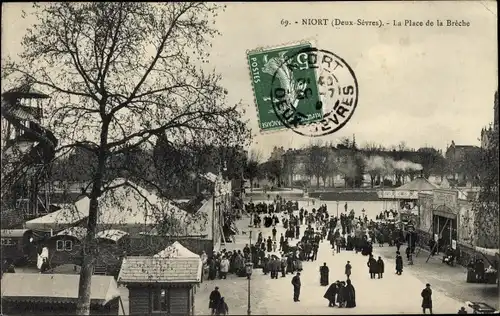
89, 257
90, 246
372, 181
317, 181
251, 185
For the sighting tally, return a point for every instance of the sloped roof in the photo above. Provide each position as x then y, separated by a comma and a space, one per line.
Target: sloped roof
176, 250
55, 288
76, 231
127, 204
26, 91
160, 270
68, 215
419, 184
111, 234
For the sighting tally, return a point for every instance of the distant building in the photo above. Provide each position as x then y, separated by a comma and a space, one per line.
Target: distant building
459, 162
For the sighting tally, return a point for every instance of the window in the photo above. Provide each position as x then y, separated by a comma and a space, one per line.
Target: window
68, 245
160, 300
60, 245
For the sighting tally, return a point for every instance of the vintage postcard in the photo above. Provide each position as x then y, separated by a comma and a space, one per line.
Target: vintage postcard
267, 158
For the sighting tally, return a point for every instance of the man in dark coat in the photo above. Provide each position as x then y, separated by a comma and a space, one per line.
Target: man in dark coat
349, 295
341, 294
274, 267
283, 266
274, 231
348, 269
331, 293
269, 244
372, 267
214, 298
289, 264
380, 266
399, 264
427, 298
296, 287
324, 272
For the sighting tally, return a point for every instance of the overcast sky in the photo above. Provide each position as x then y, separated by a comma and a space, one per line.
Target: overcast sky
426, 86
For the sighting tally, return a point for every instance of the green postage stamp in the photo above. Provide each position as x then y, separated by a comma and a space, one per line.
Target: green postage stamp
275, 69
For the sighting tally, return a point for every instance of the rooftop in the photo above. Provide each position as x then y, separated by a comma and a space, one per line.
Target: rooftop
160, 270
55, 288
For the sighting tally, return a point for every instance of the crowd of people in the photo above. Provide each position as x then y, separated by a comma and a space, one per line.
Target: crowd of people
279, 256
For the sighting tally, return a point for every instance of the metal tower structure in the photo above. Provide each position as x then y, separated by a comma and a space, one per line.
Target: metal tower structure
28, 149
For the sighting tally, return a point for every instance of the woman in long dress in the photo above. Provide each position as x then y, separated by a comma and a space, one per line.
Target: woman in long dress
324, 271
349, 295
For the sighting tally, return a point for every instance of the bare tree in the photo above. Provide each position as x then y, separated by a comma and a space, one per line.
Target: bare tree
374, 163
317, 162
402, 146
252, 166
120, 75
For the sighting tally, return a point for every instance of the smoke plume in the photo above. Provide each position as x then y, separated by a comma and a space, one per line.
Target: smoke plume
386, 165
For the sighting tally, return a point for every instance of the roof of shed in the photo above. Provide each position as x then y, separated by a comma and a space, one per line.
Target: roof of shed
160, 270
56, 288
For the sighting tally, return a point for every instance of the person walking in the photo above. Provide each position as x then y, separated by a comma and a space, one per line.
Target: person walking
214, 300
427, 298
324, 272
399, 264
224, 268
283, 266
380, 264
349, 295
372, 267
296, 287
348, 269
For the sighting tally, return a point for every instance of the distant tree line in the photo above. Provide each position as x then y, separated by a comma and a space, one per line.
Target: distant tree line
324, 162
175, 171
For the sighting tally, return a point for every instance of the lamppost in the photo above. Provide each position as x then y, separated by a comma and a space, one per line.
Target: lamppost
249, 268
337, 209
410, 244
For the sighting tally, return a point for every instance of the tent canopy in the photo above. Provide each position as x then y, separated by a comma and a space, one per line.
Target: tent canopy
128, 204
176, 250
419, 184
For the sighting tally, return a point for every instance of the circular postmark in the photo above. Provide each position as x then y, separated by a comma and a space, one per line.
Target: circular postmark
314, 92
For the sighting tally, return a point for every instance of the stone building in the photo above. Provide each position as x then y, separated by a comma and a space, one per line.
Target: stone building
461, 161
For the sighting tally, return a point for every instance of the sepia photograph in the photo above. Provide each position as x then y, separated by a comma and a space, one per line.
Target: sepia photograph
249, 158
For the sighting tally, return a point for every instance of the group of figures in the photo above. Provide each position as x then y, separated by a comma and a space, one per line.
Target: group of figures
341, 294
217, 304
219, 265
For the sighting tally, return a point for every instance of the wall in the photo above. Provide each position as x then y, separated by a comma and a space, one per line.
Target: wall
181, 300
57, 258
425, 219
465, 222
139, 300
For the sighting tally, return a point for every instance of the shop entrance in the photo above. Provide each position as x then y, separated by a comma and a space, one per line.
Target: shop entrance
445, 226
